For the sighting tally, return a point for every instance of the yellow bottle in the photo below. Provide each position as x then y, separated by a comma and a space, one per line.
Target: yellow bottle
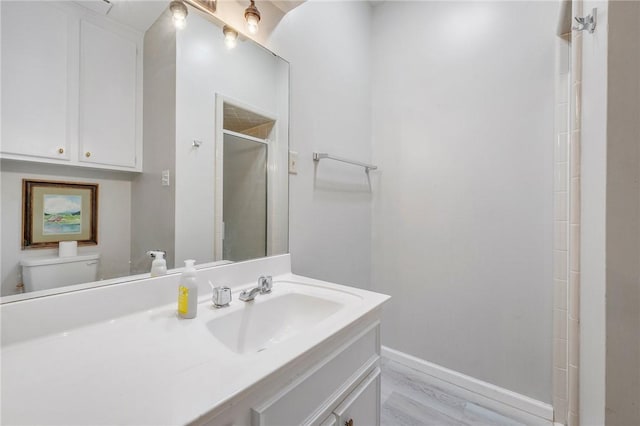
188, 291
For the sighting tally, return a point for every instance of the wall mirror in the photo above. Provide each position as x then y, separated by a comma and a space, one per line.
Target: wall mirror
186, 138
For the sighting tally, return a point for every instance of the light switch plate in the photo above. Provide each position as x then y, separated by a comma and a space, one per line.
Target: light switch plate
293, 163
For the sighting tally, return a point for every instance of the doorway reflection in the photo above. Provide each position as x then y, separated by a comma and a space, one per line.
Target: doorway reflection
244, 197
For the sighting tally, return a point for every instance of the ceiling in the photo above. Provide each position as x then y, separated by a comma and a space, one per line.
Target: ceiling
141, 14
137, 14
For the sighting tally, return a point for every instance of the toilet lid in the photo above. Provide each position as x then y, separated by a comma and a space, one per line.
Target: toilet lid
40, 261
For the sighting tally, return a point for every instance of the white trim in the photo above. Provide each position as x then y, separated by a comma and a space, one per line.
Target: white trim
491, 396
244, 136
218, 225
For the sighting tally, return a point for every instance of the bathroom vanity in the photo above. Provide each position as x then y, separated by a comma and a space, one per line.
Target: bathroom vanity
306, 353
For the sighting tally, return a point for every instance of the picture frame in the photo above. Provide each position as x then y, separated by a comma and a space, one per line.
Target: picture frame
55, 211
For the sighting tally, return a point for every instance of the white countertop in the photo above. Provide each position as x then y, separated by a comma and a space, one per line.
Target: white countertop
151, 367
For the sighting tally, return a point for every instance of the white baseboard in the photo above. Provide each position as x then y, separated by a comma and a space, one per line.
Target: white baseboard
504, 401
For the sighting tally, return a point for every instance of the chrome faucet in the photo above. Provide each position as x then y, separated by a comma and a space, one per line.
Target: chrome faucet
249, 295
265, 283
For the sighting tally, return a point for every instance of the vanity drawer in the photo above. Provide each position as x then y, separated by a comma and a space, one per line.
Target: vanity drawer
310, 398
330, 421
361, 407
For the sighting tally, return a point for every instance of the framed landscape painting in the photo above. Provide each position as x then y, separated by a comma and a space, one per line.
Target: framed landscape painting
59, 211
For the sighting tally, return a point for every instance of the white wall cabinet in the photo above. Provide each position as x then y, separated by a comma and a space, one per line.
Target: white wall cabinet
108, 99
72, 87
36, 52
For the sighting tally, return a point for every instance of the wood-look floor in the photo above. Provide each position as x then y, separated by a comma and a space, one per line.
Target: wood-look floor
408, 400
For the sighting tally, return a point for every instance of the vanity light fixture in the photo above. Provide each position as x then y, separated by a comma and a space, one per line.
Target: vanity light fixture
179, 13
252, 16
230, 37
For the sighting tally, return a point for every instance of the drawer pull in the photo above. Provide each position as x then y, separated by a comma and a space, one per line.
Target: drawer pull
349, 422
87, 154
60, 150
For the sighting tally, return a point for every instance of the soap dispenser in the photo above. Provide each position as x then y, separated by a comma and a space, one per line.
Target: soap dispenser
188, 291
159, 264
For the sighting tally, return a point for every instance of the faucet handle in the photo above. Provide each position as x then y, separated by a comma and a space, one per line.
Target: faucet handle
221, 297
265, 283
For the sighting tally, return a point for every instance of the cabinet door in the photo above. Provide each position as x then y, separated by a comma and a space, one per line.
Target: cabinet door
362, 406
35, 82
108, 86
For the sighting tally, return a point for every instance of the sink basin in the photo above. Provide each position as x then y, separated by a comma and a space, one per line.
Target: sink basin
270, 319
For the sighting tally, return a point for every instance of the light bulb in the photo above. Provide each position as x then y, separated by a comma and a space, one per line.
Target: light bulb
230, 37
252, 16
252, 24
179, 13
179, 23
230, 42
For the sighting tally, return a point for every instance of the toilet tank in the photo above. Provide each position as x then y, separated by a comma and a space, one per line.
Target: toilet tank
45, 273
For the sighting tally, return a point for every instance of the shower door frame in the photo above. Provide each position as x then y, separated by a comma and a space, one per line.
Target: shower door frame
272, 169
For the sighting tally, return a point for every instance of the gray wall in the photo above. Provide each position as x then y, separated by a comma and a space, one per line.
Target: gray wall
328, 45
463, 113
623, 216
114, 218
153, 205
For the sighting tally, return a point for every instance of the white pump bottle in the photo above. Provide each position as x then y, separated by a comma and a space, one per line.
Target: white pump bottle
188, 291
159, 264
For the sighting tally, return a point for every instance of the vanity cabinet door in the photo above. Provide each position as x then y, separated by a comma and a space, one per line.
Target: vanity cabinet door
35, 81
362, 406
108, 113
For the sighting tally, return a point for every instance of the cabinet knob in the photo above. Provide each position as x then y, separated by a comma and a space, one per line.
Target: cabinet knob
348, 422
60, 150
87, 154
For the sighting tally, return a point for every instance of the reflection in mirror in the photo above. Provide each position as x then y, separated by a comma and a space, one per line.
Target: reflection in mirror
244, 197
186, 139
250, 181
